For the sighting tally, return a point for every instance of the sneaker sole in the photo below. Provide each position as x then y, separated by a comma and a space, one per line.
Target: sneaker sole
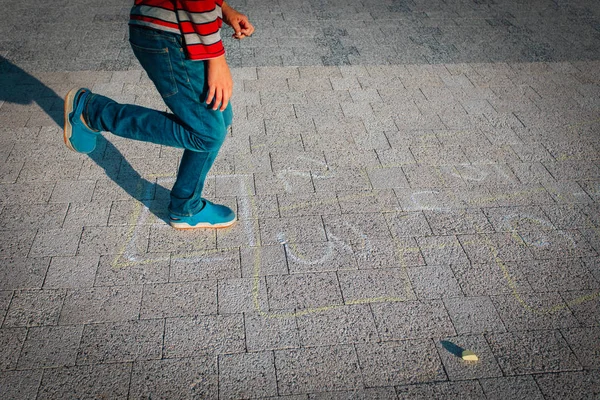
68, 130
184, 226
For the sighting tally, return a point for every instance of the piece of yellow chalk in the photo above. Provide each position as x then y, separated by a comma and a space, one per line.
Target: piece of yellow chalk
468, 355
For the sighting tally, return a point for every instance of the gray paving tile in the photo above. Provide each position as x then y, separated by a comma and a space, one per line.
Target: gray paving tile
212, 334
463, 390
205, 264
388, 178
459, 369
73, 191
254, 207
473, 315
342, 179
46, 170
492, 174
71, 272
534, 311
48, 216
569, 385
242, 295
175, 378
26, 193
374, 285
303, 291
126, 212
558, 275
442, 250
34, 308
11, 343
343, 325
299, 205
495, 247
101, 304
351, 158
517, 352
5, 298
317, 369
526, 218
179, 299
93, 381
408, 224
247, 375
333, 255
50, 346
566, 192
584, 305
16, 243
269, 331
517, 387
23, 273
288, 126
572, 170
434, 282
263, 260
368, 393
20, 384
111, 240
435, 154
291, 230
584, 343
373, 254
412, 320
399, 362
356, 228
283, 182
490, 279
461, 221
120, 342
56, 242
111, 272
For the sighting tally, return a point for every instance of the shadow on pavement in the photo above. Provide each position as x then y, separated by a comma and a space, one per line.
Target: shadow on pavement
26, 89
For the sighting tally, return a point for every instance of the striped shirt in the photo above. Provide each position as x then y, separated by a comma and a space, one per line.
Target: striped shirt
198, 21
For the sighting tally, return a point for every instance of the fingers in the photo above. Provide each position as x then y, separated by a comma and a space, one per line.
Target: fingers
211, 94
246, 27
235, 24
225, 100
218, 99
242, 27
219, 96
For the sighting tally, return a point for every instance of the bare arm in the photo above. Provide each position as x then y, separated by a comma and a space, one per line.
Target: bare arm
220, 83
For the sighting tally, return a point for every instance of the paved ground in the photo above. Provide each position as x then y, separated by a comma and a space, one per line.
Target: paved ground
411, 177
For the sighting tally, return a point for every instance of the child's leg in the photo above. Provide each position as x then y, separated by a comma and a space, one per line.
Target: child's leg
193, 125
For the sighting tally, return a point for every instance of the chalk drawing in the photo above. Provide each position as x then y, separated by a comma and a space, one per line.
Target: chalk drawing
128, 255
423, 207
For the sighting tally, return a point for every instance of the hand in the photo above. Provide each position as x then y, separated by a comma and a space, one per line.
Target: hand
220, 83
238, 21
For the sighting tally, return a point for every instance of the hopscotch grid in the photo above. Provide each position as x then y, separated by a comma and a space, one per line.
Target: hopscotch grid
139, 208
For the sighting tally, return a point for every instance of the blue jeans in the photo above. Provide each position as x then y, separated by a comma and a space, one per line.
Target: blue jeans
193, 126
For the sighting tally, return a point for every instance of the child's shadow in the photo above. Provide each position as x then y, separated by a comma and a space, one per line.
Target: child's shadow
19, 87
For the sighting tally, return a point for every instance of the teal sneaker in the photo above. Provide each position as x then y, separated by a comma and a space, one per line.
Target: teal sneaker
77, 135
211, 216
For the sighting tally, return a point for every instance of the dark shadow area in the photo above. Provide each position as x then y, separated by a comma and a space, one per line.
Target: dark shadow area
24, 88
452, 348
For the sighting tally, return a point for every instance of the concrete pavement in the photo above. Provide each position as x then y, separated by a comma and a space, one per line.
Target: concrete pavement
412, 178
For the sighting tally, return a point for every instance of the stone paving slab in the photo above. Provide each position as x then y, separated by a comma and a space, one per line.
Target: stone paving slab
410, 178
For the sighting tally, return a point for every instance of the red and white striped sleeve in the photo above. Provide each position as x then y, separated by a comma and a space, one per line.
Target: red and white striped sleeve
200, 22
